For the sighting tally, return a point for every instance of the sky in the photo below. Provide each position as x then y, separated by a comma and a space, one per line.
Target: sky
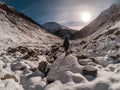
66, 12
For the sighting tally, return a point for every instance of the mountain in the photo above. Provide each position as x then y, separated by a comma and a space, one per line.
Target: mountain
16, 28
33, 59
23, 45
105, 20
58, 29
98, 45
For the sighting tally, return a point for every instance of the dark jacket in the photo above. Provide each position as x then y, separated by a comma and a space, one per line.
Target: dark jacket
66, 44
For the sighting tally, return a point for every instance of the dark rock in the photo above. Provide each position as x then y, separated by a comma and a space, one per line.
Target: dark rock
49, 81
111, 31
42, 66
9, 76
31, 53
26, 56
117, 32
33, 69
82, 42
11, 50
90, 70
22, 49
82, 56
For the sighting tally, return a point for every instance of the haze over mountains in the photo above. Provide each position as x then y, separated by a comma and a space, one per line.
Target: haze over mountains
59, 30
33, 59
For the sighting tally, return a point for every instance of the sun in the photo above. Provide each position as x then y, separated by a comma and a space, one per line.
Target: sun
85, 17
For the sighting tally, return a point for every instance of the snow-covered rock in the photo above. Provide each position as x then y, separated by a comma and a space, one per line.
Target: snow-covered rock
18, 66
63, 64
85, 61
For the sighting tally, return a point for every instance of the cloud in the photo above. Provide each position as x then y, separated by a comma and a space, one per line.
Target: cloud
66, 12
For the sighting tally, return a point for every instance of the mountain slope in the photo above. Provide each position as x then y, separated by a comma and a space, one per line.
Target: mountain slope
104, 21
93, 63
58, 29
16, 28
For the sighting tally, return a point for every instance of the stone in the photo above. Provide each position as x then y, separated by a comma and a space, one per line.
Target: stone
89, 70
26, 56
6, 74
82, 56
22, 49
11, 50
42, 66
19, 66
62, 64
84, 61
102, 61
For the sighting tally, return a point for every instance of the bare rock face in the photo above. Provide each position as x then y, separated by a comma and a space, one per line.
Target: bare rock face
89, 70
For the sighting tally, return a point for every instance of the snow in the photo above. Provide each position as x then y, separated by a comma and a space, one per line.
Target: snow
58, 29
57, 85
53, 26
66, 72
61, 65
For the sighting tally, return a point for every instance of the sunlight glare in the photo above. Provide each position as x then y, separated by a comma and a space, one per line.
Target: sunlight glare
85, 17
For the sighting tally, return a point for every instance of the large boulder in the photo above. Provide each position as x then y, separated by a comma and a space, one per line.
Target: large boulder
61, 65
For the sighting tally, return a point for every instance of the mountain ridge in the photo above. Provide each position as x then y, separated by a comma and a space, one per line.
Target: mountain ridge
19, 28
105, 20
58, 29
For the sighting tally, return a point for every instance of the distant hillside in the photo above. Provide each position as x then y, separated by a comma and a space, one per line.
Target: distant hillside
105, 20
17, 28
58, 29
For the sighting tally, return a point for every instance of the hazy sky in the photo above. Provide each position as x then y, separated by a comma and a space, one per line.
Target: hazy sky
66, 12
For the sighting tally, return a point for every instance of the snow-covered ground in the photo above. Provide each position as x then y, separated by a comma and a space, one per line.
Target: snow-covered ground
32, 59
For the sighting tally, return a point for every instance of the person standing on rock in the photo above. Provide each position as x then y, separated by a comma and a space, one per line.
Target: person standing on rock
66, 45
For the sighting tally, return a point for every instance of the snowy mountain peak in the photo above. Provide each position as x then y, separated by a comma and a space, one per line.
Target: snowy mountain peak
58, 29
53, 26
